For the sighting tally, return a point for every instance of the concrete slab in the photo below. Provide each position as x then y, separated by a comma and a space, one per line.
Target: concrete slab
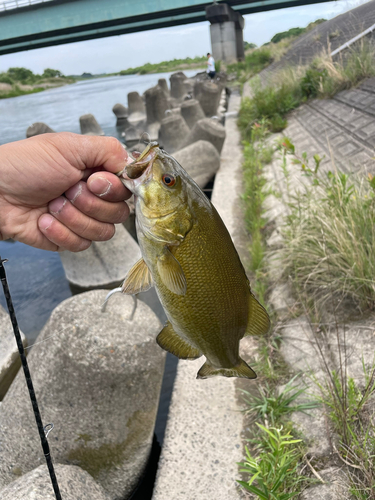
203, 440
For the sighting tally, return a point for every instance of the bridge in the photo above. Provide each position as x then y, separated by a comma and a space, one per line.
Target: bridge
31, 24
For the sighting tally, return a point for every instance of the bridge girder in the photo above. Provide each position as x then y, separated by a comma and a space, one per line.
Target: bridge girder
66, 21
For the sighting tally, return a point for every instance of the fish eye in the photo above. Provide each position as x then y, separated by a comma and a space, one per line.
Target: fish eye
169, 180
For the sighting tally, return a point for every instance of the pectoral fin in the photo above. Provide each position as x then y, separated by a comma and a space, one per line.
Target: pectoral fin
138, 279
171, 273
242, 370
173, 343
259, 321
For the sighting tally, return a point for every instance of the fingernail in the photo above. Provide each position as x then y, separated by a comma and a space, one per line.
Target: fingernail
100, 186
73, 193
57, 205
45, 221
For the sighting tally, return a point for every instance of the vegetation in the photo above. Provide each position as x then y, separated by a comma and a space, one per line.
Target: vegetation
294, 32
291, 87
258, 59
337, 210
167, 66
328, 253
256, 154
24, 81
330, 235
273, 470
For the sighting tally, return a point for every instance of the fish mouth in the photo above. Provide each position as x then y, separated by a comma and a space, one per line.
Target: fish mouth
142, 163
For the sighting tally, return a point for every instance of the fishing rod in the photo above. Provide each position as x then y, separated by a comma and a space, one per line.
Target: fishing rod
43, 431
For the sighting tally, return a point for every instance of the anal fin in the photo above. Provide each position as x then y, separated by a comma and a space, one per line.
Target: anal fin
242, 370
259, 322
173, 343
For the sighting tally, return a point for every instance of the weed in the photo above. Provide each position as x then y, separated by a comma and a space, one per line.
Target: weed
272, 407
293, 86
273, 469
349, 412
330, 235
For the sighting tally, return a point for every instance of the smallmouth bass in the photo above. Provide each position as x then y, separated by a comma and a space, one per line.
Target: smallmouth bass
189, 256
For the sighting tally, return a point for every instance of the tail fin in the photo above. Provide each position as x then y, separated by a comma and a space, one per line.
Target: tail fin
242, 370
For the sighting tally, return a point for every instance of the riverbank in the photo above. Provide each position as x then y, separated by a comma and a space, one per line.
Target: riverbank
166, 66
17, 89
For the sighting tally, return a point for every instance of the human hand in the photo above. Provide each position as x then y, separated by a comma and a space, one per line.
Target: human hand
59, 191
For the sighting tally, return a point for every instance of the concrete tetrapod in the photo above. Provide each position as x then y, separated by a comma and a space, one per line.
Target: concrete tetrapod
136, 108
200, 160
207, 130
74, 483
89, 125
10, 361
103, 265
162, 82
192, 112
97, 376
173, 132
156, 104
209, 98
38, 128
177, 80
121, 113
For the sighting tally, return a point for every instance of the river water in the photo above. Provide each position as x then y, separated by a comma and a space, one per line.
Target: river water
36, 277
60, 108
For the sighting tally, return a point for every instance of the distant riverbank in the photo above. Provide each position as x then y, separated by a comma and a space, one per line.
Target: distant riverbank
199, 62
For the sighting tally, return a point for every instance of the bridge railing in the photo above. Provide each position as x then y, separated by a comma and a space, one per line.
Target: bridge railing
18, 4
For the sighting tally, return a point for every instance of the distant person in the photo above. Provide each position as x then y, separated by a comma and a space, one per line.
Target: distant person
210, 66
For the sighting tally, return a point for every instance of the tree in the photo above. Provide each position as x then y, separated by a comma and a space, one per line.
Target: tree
52, 73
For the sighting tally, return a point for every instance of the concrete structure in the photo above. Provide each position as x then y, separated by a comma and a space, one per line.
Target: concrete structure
35, 23
226, 32
203, 440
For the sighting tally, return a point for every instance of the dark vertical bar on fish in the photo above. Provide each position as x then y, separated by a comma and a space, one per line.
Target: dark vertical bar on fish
29, 382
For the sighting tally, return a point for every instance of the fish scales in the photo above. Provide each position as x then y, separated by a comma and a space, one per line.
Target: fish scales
189, 256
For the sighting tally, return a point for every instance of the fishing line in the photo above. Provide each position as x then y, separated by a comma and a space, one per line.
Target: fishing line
43, 431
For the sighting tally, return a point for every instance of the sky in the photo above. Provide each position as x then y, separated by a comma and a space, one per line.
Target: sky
112, 54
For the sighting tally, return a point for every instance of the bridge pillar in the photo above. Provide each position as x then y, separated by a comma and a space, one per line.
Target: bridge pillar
226, 32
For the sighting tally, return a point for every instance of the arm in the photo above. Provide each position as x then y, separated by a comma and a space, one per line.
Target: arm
59, 191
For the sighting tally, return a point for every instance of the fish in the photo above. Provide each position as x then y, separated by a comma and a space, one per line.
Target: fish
189, 257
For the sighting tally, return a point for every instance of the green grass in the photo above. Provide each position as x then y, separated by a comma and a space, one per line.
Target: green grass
272, 406
330, 234
293, 86
256, 154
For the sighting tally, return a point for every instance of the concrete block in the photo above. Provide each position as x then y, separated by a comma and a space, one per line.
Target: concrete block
97, 376
177, 85
209, 98
156, 104
10, 361
74, 483
207, 130
38, 128
103, 265
89, 125
135, 103
200, 160
162, 82
121, 113
173, 132
192, 112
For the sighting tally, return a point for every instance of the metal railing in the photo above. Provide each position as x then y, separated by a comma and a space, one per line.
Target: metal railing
18, 4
